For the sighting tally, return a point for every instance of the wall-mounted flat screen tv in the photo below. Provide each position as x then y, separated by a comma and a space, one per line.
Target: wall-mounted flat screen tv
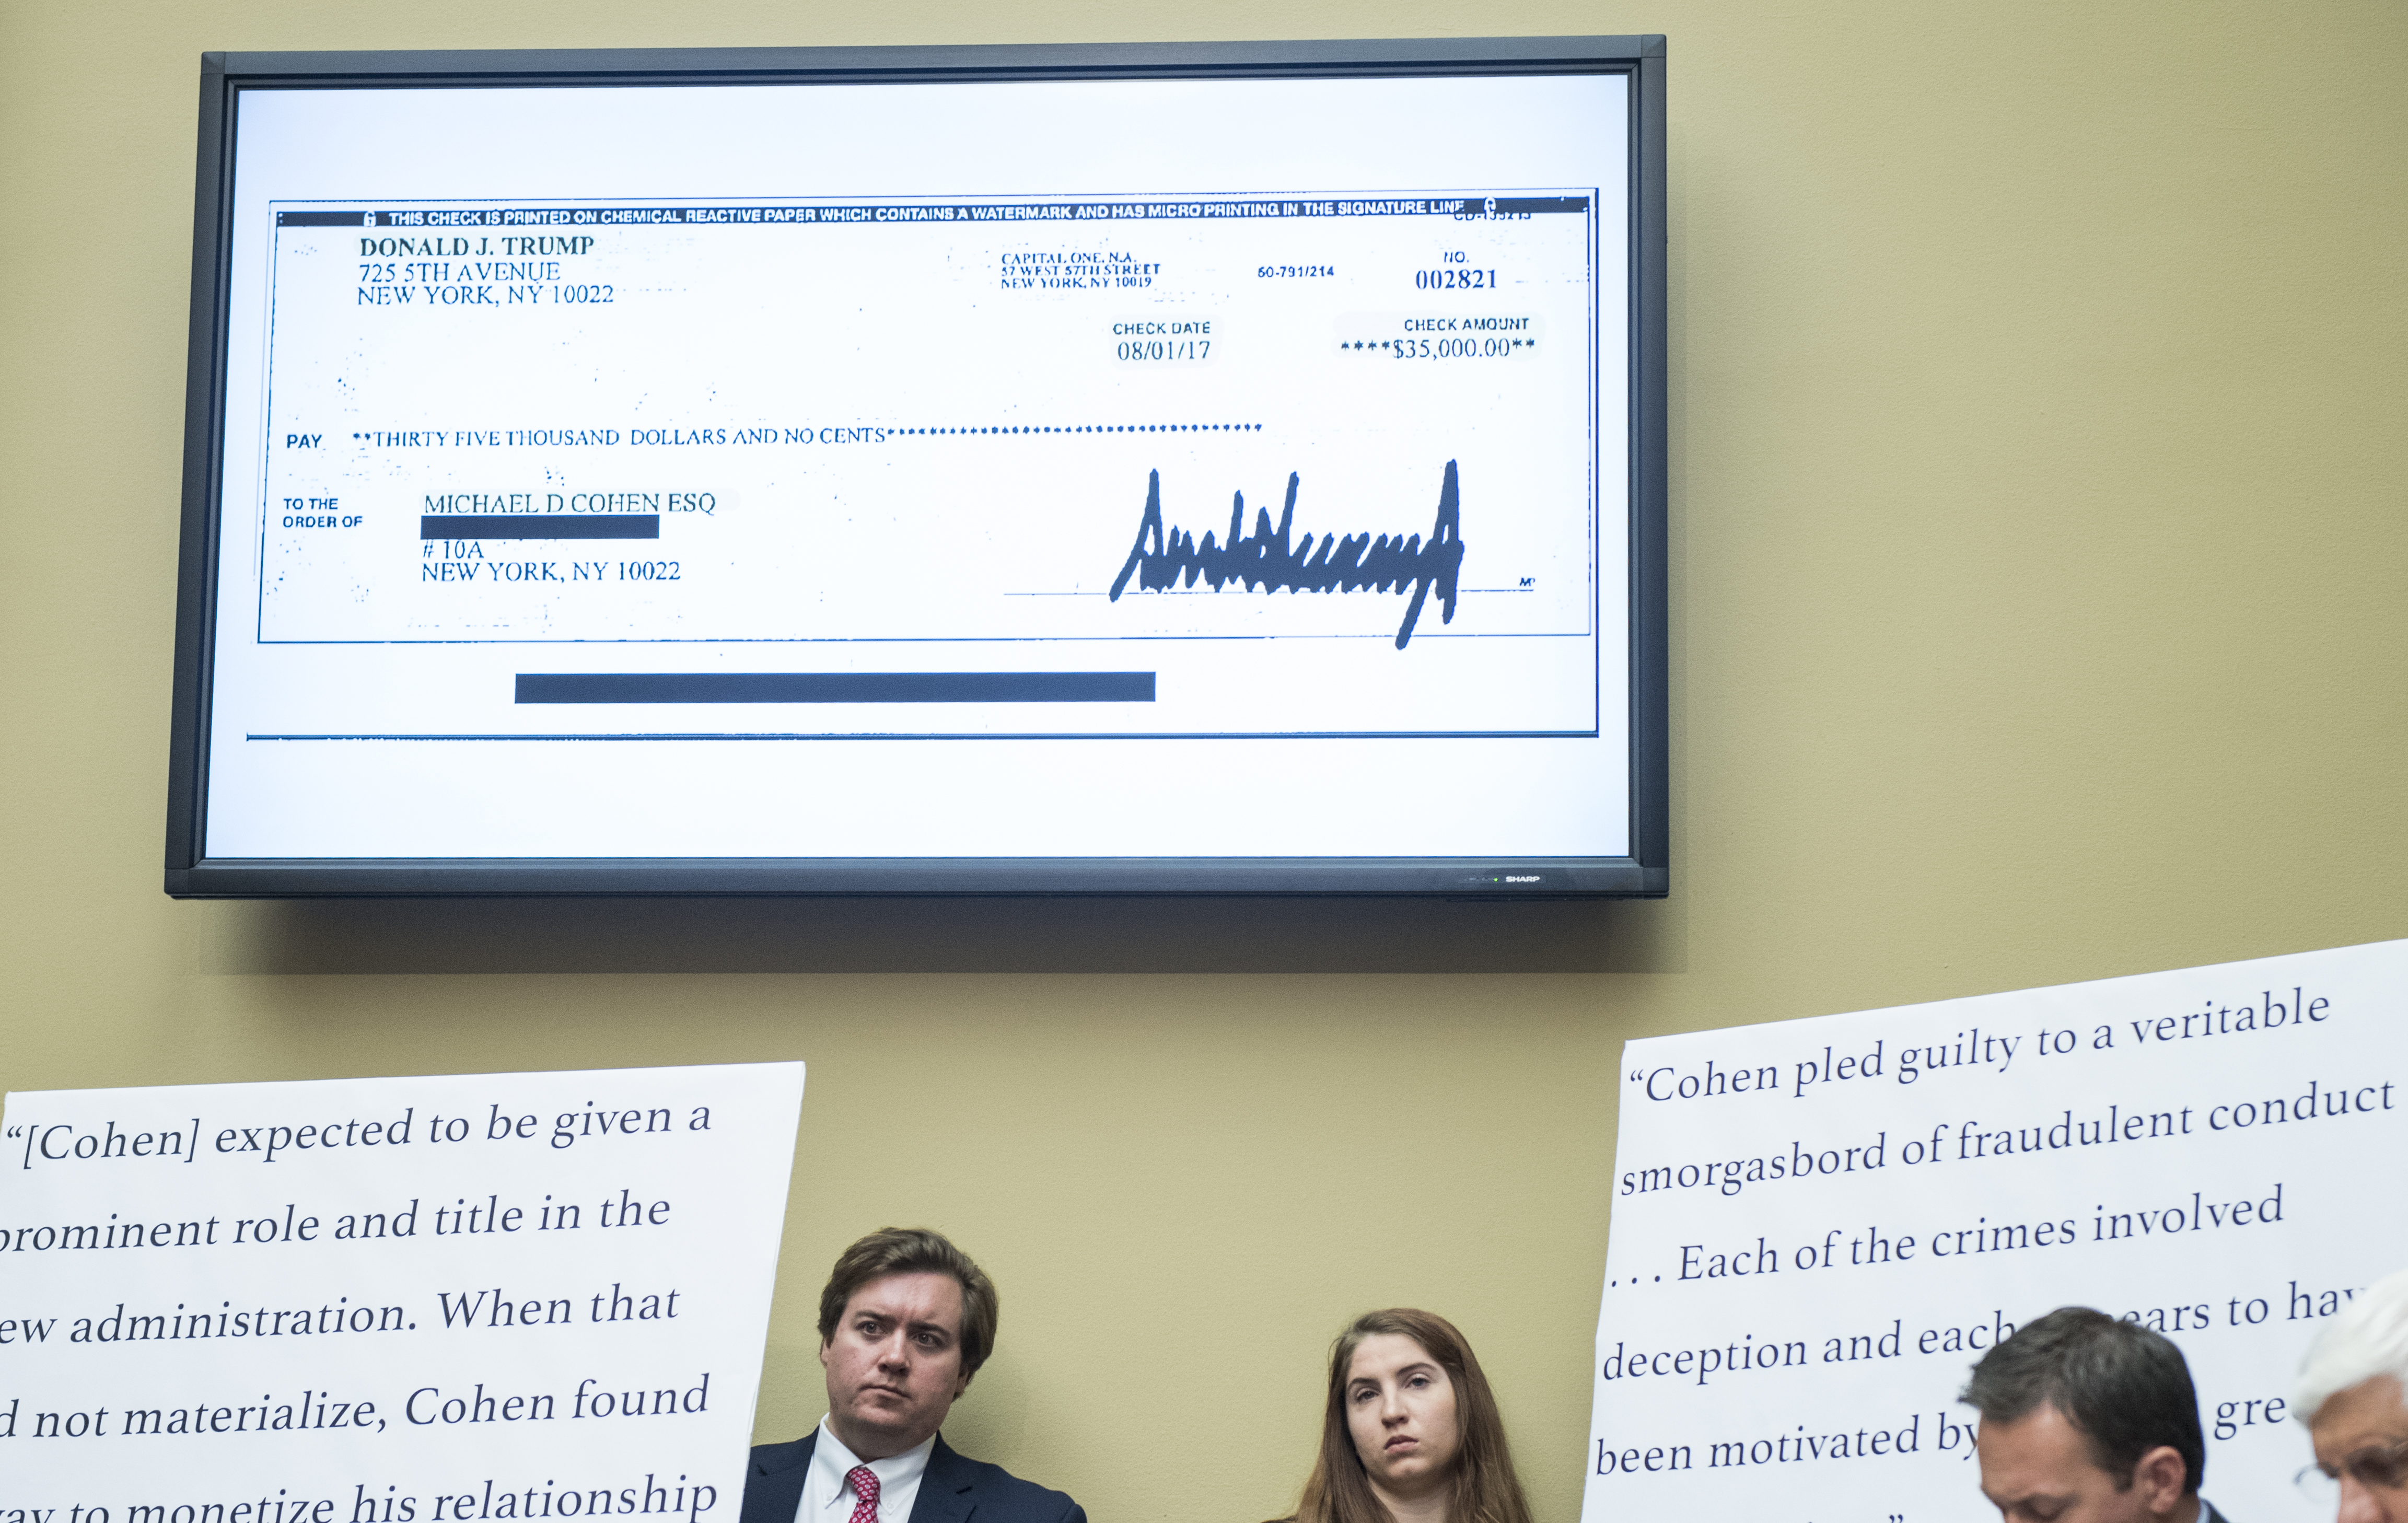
1198, 468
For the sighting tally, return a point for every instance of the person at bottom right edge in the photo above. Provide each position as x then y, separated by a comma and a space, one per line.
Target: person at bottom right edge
2350, 1395
2086, 1419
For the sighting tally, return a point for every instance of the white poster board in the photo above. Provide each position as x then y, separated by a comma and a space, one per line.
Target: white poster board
1820, 1225
438, 1300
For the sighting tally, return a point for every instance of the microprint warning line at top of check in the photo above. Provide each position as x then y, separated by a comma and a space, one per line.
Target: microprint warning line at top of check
1192, 209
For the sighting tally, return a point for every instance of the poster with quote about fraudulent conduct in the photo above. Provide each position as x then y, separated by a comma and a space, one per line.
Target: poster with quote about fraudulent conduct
1820, 1225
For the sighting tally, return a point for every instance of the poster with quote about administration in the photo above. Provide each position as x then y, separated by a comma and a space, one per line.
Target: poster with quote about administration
442, 1299
1820, 1225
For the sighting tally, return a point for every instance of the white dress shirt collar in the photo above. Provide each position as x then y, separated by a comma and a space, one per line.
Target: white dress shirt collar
827, 1496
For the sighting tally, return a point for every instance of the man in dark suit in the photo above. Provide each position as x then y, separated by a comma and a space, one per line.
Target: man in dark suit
2086, 1419
905, 1322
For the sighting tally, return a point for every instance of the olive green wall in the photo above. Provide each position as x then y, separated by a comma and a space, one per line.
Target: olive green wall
2040, 581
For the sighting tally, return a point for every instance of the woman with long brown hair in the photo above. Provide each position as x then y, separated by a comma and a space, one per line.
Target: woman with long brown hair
1409, 1433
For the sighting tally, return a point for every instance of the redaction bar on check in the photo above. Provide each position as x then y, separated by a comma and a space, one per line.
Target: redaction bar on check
835, 687
540, 526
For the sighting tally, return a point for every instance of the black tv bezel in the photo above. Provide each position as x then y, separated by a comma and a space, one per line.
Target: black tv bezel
1645, 872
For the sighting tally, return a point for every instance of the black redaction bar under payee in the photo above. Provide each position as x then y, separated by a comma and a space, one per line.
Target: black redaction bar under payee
540, 526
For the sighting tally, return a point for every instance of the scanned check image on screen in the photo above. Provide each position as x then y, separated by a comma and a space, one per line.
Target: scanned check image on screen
1027, 469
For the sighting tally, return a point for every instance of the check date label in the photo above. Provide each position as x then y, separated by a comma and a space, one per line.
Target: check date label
1163, 340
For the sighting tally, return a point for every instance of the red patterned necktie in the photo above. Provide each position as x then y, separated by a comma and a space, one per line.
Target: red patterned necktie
865, 1486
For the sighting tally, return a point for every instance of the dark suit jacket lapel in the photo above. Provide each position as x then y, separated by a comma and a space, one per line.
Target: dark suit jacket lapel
775, 1488
944, 1488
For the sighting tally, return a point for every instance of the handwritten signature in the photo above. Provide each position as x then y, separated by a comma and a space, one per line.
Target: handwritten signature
1268, 560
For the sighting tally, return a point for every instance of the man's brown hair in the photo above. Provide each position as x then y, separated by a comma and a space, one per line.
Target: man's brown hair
914, 1250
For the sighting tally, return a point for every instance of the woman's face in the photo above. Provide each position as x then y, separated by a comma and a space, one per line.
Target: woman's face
1400, 1409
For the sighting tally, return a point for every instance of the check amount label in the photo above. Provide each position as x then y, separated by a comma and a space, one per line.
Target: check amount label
1361, 418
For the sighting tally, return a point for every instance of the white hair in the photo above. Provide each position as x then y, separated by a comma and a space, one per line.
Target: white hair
2366, 1341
